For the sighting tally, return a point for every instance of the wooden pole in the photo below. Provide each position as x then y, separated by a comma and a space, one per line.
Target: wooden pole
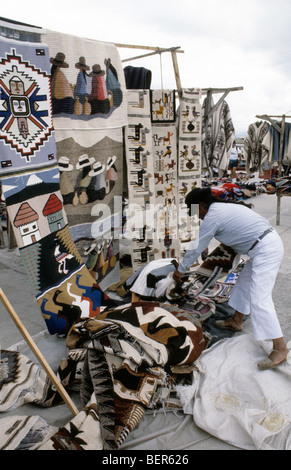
281, 145
176, 71
37, 353
159, 51
221, 90
278, 209
281, 130
2, 242
148, 48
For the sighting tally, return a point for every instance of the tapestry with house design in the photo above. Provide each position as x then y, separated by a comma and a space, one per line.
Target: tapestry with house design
29, 169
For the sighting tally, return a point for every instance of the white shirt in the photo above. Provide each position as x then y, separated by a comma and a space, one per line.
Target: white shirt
234, 154
234, 225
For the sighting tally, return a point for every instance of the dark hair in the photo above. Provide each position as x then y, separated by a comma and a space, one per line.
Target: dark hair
206, 196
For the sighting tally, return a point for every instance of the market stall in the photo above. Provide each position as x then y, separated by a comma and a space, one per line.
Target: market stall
93, 143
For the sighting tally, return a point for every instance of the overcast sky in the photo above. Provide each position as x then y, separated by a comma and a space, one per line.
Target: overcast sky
226, 43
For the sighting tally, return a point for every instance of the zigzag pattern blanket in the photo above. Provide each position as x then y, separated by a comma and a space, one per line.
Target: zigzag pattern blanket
207, 279
23, 382
133, 356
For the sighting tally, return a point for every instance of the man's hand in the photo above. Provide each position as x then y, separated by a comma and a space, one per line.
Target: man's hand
177, 276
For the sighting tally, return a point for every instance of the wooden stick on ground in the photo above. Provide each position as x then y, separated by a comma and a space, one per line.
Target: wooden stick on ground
37, 353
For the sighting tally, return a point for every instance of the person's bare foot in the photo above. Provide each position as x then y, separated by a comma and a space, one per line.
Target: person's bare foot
229, 324
278, 356
275, 358
235, 324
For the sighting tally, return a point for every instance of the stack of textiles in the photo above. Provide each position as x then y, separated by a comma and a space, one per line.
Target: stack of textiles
130, 359
231, 192
203, 288
280, 185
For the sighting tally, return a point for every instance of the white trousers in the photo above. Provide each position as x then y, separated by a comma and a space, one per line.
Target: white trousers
252, 292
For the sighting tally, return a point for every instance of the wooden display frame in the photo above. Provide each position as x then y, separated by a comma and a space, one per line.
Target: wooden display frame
281, 130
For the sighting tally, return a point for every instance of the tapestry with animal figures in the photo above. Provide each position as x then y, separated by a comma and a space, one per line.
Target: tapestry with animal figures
140, 225
189, 161
89, 111
63, 286
163, 117
170, 143
177, 159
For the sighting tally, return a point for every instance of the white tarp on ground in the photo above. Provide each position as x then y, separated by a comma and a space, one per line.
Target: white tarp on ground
238, 403
231, 404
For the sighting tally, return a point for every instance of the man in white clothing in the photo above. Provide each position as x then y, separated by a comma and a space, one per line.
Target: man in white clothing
237, 226
234, 160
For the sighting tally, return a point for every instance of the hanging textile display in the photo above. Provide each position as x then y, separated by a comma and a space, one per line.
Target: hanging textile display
286, 154
255, 153
163, 118
271, 144
89, 111
189, 161
139, 229
87, 82
137, 78
163, 106
30, 178
217, 134
163, 149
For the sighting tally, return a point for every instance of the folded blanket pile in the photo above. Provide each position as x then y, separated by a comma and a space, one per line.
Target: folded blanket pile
131, 358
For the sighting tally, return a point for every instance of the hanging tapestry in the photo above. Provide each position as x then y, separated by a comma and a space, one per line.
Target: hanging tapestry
26, 119
217, 134
88, 84
254, 152
63, 286
177, 160
189, 161
91, 181
139, 228
165, 173
165, 189
272, 150
163, 106
166, 155
89, 111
